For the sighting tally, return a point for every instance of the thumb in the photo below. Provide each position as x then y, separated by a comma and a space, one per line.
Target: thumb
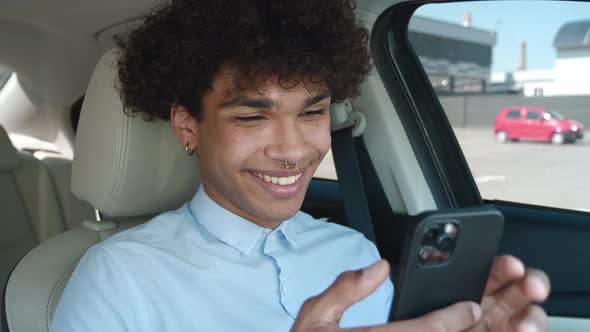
457, 317
350, 287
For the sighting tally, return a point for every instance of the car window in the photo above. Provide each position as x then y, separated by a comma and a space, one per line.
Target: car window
533, 115
484, 56
513, 115
5, 73
556, 115
20, 117
326, 170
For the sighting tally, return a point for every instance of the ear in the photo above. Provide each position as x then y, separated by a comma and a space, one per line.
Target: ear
185, 126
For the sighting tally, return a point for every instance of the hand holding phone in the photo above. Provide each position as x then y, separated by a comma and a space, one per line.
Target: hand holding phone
446, 258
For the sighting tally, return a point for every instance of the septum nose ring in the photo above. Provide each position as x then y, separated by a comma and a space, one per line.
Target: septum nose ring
291, 165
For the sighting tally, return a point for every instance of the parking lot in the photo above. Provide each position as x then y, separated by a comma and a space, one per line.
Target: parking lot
529, 172
526, 172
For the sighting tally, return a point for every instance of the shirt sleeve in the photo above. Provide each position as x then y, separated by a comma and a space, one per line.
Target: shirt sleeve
385, 292
96, 297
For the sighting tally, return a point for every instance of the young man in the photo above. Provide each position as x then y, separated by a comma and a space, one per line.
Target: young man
247, 86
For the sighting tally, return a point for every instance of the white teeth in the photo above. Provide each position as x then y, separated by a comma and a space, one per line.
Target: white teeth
281, 181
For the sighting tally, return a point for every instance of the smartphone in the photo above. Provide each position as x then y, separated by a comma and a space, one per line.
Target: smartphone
446, 257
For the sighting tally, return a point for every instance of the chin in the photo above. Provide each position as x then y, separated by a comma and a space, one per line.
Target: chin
280, 216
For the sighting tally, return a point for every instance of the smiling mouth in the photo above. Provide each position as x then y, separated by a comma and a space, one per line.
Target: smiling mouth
279, 180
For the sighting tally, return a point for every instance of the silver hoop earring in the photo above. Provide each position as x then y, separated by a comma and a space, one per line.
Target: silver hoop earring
188, 150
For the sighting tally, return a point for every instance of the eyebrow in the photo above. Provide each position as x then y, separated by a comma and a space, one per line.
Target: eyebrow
244, 101
316, 99
267, 103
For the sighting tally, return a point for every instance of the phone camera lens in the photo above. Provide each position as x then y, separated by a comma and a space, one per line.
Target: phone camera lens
432, 235
444, 242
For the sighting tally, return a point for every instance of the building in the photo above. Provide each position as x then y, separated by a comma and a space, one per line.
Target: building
456, 58
572, 65
570, 74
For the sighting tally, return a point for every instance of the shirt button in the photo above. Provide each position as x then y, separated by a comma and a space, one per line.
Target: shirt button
284, 289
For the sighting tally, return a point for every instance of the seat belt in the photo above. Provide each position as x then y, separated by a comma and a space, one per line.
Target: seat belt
347, 125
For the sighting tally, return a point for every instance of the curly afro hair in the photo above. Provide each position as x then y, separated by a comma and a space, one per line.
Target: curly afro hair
173, 58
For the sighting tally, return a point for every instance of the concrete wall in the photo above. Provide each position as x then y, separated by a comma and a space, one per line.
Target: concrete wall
481, 110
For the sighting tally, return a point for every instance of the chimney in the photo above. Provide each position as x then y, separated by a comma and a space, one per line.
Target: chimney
467, 20
522, 65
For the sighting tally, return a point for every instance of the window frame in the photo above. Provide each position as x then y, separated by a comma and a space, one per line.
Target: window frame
5, 76
442, 162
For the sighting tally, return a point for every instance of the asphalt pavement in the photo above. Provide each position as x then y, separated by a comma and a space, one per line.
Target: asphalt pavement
529, 172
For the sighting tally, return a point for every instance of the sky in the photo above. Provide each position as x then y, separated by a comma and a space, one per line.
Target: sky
535, 22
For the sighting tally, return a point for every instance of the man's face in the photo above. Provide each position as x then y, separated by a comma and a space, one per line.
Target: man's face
244, 138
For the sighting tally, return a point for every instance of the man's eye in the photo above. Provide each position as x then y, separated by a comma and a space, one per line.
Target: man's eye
312, 113
249, 118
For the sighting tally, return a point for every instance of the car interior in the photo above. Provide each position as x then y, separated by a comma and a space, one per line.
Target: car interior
36, 200
106, 172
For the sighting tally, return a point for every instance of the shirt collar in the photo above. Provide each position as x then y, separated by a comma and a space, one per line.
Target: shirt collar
287, 227
230, 228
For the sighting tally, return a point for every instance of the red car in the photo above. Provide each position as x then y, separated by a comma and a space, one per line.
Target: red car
535, 123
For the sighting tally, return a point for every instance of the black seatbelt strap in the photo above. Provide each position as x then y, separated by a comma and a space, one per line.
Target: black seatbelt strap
351, 182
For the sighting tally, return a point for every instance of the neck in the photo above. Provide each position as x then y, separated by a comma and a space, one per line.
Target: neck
227, 204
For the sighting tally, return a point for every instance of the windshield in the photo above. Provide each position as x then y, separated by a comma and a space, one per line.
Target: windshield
556, 115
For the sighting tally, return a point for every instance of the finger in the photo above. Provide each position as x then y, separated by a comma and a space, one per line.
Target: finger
533, 287
349, 288
323, 312
532, 318
505, 268
457, 317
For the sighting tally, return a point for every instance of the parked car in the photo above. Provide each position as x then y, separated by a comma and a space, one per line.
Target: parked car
535, 123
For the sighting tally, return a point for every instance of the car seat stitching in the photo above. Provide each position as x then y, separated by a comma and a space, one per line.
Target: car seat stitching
50, 291
120, 163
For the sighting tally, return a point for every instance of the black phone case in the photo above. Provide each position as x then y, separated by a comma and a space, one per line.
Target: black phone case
420, 289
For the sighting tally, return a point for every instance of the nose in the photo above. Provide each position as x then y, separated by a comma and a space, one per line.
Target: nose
287, 143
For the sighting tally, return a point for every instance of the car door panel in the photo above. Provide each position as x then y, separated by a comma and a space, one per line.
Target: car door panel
566, 324
515, 126
556, 242
534, 126
323, 200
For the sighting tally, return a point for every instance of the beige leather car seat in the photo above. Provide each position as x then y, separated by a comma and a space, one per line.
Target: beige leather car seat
125, 167
74, 210
30, 204
28, 196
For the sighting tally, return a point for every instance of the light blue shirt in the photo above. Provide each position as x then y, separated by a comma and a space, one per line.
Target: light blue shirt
203, 268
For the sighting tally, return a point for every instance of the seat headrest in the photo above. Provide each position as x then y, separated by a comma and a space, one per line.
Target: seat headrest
8, 154
125, 166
